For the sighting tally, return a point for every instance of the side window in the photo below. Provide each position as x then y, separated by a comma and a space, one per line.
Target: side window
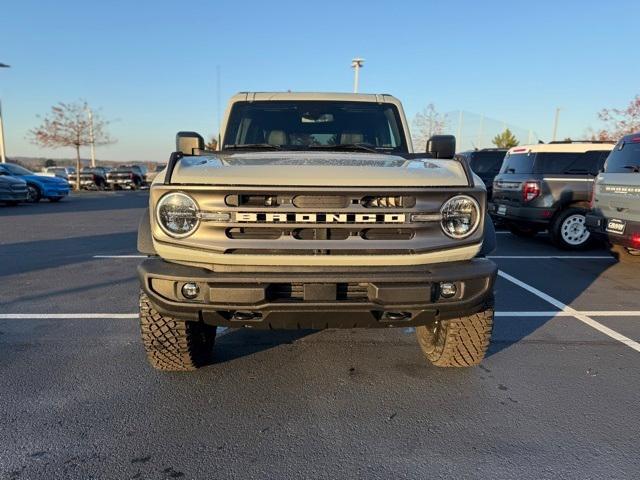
561, 163
594, 161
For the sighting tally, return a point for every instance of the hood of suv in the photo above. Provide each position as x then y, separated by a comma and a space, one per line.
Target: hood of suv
317, 169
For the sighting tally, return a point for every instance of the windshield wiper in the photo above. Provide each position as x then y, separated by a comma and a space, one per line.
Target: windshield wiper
254, 146
365, 147
633, 168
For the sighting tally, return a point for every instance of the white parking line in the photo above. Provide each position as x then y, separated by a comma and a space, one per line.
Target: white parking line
586, 319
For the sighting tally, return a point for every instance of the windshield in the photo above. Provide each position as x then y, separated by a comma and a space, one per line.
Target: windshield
624, 158
303, 125
16, 169
486, 162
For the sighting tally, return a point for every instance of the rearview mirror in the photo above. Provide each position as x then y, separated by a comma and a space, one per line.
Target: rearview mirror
442, 146
188, 142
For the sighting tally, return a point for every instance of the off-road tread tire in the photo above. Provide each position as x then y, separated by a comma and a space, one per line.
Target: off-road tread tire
174, 345
623, 256
461, 342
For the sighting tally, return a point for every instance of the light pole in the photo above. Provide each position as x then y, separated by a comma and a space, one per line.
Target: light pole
3, 156
357, 63
555, 124
91, 136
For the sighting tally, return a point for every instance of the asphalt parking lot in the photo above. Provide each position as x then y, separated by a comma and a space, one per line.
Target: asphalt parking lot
557, 397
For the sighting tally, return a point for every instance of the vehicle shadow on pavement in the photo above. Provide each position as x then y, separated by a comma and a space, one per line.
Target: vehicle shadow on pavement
563, 279
243, 342
22, 257
83, 202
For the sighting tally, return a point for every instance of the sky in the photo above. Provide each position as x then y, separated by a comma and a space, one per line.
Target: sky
150, 66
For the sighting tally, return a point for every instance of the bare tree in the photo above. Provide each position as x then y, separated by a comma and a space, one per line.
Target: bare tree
67, 125
619, 122
425, 124
212, 144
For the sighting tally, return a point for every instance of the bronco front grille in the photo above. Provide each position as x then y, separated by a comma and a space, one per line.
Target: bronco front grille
310, 221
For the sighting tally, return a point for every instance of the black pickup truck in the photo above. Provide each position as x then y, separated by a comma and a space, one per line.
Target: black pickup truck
133, 177
94, 178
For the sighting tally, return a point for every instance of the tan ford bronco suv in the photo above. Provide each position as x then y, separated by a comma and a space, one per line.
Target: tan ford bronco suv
315, 213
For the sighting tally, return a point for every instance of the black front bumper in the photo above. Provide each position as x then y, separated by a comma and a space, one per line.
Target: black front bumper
597, 225
281, 298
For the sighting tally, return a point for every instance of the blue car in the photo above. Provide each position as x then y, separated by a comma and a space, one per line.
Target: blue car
38, 186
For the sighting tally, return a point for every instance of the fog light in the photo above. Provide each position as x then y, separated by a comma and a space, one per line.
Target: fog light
448, 289
190, 290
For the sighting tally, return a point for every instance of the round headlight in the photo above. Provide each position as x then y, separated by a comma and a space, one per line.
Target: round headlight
177, 215
460, 216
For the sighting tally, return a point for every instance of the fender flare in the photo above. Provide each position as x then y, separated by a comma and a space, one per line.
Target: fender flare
145, 240
489, 242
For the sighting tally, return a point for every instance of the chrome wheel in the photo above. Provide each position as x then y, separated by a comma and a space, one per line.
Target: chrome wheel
33, 195
573, 230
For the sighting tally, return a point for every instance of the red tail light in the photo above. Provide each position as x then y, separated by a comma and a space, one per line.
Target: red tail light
530, 190
95, 178
635, 240
131, 176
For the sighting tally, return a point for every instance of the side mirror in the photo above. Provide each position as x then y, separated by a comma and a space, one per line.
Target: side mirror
188, 142
442, 146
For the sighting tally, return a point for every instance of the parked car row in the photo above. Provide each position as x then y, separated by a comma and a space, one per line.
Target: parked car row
18, 184
576, 190
27, 186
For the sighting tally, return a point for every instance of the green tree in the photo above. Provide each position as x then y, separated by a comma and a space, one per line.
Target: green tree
49, 162
505, 139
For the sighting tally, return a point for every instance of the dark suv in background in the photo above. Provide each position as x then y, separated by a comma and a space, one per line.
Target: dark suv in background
486, 164
548, 187
127, 176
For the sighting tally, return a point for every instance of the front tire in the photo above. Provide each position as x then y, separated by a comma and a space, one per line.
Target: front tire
568, 230
171, 344
33, 194
624, 255
459, 342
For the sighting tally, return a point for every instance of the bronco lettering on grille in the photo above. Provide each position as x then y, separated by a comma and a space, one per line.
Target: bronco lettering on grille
250, 217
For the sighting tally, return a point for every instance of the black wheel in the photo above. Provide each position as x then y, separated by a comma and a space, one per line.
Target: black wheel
55, 199
568, 230
625, 255
171, 344
523, 231
460, 342
33, 194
